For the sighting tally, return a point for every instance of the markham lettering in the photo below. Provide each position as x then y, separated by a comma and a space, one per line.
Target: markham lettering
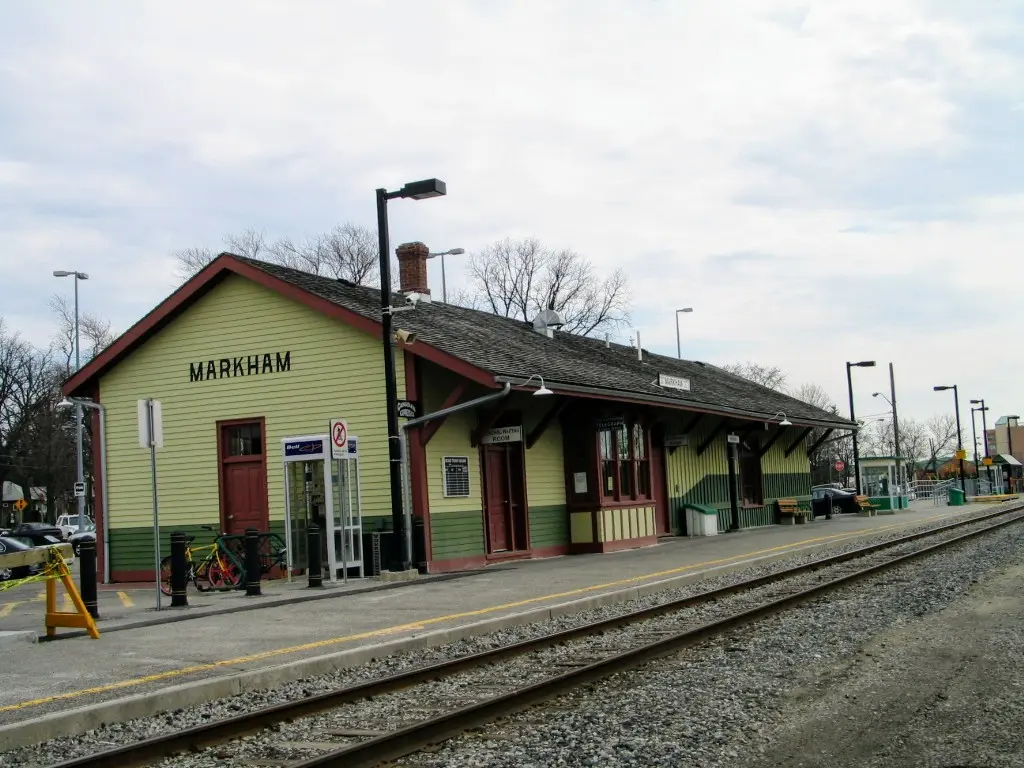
240, 366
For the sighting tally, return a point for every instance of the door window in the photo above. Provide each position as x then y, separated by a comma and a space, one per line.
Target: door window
243, 440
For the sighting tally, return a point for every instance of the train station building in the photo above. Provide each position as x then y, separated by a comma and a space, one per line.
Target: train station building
594, 446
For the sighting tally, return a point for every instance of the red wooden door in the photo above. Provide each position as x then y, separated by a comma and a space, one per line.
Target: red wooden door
659, 487
243, 477
246, 491
499, 537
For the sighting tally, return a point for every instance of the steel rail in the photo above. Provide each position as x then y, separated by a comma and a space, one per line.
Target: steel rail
406, 741
219, 731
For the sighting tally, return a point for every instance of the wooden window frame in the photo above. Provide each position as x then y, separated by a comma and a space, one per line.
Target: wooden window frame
638, 466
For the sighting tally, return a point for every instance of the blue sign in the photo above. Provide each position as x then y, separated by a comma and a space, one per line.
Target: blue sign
304, 448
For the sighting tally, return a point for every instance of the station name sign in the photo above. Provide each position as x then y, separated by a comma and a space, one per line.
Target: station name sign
246, 365
673, 382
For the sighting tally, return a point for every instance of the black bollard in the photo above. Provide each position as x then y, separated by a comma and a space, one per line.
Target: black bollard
87, 575
253, 569
179, 570
316, 568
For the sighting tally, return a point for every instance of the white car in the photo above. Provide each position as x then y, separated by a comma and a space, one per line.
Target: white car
68, 524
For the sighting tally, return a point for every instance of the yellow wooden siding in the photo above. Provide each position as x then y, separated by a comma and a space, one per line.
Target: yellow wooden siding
581, 529
685, 469
335, 371
626, 523
451, 439
545, 461
776, 461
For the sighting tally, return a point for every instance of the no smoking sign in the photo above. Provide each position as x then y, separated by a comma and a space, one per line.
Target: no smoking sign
339, 438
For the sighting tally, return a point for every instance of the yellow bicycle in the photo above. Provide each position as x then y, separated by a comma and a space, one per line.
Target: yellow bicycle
216, 570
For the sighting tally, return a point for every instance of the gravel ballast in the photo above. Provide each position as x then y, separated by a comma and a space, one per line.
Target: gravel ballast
391, 712
733, 701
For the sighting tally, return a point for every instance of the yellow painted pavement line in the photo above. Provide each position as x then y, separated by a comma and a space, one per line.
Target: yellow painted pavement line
423, 623
7, 608
126, 601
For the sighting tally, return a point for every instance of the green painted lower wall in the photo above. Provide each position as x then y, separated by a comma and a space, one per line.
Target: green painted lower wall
455, 535
131, 549
713, 491
549, 526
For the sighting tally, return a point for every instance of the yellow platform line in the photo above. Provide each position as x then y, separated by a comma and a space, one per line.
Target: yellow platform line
7, 608
126, 601
423, 623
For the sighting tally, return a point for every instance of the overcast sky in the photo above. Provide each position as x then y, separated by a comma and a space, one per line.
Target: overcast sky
821, 181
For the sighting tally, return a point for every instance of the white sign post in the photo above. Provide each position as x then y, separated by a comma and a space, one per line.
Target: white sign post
339, 439
151, 435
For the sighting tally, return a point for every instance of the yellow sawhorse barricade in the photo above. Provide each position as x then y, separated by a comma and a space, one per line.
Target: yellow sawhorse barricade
56, 568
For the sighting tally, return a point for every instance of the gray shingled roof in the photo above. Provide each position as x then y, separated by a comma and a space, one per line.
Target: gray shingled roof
510, 348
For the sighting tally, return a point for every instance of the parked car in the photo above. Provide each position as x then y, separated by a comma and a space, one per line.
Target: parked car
68, 524
41, 534
826, 501
76, 539
8, 546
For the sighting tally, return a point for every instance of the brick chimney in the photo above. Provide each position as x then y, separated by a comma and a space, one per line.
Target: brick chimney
412, 268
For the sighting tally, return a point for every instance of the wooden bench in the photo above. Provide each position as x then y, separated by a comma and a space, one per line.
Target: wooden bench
791, 514
864, 507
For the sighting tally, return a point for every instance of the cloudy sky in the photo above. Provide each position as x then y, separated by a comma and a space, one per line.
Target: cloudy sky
821, 181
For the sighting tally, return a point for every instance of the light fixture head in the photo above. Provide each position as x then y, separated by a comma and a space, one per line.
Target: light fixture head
941, 389
456, 251
785, 422
863, 364
541, 390
62, 273
65, 403
421, 190
685, 309
976, 402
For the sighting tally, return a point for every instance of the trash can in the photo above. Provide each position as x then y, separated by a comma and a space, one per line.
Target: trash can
957, 497
701, 521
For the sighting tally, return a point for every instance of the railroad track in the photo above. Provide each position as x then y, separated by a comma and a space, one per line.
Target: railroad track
449, 705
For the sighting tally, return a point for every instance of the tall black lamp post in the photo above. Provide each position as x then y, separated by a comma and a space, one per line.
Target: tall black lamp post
974, 439
1009, 446
401, 559
983, 409
853, 417
959, 438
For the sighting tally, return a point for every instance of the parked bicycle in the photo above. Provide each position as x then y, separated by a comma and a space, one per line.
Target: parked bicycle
218, 569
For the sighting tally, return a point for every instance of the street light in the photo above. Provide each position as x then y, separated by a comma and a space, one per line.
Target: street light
444, 281
891, 400
984, 429
853, 417
1009, 446
80, 469
541, 391
401, 557
679, 343
959, 439
74, 401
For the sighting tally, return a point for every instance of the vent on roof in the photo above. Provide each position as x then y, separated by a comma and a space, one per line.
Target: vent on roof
547, 322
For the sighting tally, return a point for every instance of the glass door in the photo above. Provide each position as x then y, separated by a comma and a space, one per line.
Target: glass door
347, 534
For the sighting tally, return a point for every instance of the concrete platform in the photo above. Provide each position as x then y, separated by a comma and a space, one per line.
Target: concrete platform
89, 682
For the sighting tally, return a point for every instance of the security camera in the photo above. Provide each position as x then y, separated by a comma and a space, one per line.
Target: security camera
412, 299
405, 337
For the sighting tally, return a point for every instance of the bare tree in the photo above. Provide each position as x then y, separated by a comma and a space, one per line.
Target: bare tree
251, 243
95, 332
940, 432
519, 278
347, 251
770, 376
192, 260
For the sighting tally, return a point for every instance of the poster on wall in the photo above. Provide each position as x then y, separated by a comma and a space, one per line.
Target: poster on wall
456, 476
579, 482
